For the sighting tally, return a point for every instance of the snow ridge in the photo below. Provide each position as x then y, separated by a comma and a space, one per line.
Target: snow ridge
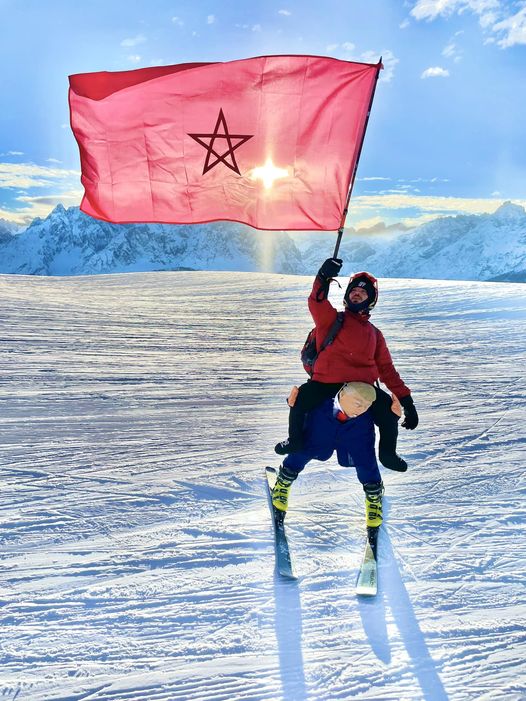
464, 247
68, 242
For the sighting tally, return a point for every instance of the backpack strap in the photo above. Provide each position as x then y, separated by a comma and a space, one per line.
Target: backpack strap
333, 331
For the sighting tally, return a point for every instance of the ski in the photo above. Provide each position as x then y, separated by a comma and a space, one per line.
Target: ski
367, 583
283, 558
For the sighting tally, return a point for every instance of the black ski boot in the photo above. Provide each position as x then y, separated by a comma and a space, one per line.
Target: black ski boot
288, 446
391, 460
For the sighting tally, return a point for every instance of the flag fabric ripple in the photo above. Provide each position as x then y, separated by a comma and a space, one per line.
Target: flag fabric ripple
270, 141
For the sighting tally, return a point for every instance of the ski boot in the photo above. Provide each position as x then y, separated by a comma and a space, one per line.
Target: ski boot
391, 460
373, 504
288, 446
281, 490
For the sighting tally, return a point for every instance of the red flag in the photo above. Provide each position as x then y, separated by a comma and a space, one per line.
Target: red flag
270, 141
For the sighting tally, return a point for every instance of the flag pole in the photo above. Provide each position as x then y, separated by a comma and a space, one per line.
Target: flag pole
346, 208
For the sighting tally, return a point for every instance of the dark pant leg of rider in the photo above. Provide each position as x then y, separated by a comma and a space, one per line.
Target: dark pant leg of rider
387, 422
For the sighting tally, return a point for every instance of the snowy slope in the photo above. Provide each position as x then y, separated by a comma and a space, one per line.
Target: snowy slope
138, 412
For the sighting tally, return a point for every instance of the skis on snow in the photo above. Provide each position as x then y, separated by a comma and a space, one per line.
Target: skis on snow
368, 575
367, 583
283, 559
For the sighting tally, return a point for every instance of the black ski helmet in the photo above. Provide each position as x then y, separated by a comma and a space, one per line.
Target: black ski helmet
370, 284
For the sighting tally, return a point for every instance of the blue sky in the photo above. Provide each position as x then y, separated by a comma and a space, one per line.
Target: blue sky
447, 131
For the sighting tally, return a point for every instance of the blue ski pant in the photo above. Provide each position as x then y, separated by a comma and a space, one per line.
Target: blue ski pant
353, 441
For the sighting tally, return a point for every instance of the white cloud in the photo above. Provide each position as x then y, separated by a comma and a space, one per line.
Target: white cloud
134, 58
370, 210
404, 24
452, 52
514, 28
497, 17
256, 27
424, 180
12, 216
157, 62
41, 206
178, 21
347, 51
71, 197
488, 19
285, 13
368, 223
27, 175
53, 160
431, 9
374, 178
428, 205
210, 19
389, 62
133, 41
435, 72
413, 222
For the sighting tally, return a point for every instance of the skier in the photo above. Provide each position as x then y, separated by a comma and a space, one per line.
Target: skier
345, 424
358, 353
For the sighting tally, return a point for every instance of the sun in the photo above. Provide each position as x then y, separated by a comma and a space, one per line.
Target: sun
269, 173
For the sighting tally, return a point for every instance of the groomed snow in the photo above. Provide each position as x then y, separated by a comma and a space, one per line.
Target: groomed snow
137, 414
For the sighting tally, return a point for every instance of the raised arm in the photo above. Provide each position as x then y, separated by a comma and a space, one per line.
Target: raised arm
322, 311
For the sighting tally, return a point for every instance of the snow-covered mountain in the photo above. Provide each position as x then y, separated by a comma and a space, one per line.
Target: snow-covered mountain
474, 247
69, 242
464, 247
8, 229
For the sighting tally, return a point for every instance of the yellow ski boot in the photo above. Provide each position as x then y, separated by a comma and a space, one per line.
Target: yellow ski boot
373, 504
281, 490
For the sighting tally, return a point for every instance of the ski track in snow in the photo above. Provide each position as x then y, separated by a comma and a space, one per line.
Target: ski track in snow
137, 415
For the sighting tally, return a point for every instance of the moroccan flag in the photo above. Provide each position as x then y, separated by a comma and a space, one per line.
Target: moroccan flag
271, 141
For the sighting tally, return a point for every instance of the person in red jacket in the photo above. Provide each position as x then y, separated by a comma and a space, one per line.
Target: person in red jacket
358, 353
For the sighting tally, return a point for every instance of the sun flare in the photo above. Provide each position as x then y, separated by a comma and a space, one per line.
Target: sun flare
269, 173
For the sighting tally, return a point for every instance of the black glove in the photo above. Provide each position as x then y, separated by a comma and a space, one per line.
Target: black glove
410, 416
330, 268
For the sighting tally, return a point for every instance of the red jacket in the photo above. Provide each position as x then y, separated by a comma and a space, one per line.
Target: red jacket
359, 352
